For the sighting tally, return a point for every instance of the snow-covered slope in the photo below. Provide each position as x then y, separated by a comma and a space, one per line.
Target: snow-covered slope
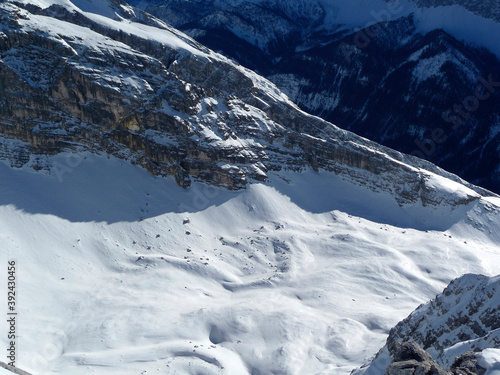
464, 21
489, 359
121, 272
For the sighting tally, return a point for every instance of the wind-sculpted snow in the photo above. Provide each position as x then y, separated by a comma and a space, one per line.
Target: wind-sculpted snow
122, 272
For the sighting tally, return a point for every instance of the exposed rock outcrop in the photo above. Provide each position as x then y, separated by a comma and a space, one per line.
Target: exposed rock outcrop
410, 359
467, 311
140, 90
467, 364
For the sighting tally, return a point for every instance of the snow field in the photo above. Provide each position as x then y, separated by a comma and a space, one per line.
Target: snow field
114, 280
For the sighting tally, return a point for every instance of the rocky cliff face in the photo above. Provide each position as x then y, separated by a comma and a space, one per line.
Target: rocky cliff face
454, 328
131, 86
395, 82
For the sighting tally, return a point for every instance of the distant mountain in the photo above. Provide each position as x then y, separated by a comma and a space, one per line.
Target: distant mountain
424, 78
487, 8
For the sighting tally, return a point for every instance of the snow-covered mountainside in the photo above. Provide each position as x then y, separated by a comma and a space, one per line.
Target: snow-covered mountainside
464, 318
470, 21
107, 79
121, 272
405, 74
170, 211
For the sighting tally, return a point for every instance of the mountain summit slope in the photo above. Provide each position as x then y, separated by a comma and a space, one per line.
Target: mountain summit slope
420, 77
75, 79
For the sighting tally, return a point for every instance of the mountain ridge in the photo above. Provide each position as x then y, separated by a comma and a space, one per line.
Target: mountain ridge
398, 56
193, 114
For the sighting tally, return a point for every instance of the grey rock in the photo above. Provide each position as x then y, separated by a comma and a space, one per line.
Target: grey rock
466, 364
347, 77
410, 359
12, 369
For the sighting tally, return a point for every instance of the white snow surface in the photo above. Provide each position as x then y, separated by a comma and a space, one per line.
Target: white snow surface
489, 359
102, 12
303, 275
